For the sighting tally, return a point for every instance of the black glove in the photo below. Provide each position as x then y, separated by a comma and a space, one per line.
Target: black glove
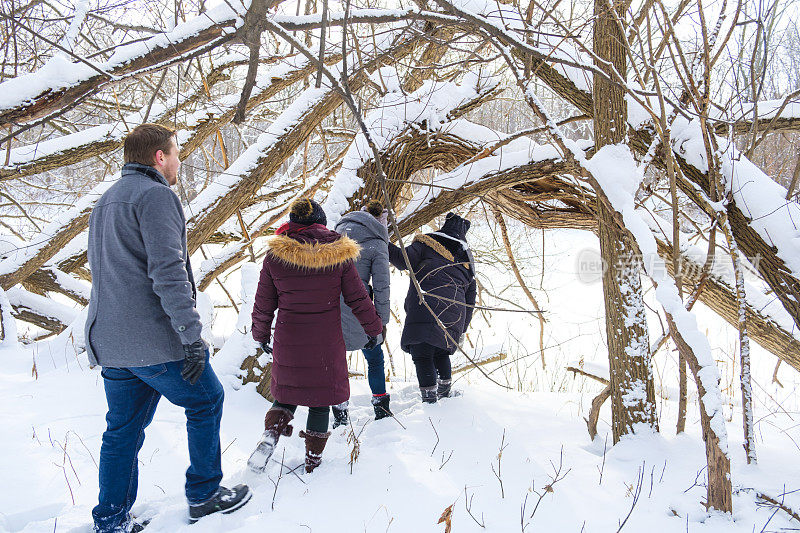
371, 342
194, 362
266, 347
384, 333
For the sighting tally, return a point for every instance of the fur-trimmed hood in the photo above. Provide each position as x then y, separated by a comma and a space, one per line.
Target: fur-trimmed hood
313, 255
442, 250
435, 245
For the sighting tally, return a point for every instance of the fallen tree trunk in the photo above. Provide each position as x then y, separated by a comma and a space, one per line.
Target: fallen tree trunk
40, 311
47, 280
91, 142
45, 245
448, 200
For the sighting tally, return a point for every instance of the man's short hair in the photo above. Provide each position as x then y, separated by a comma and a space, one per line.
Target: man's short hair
145, 140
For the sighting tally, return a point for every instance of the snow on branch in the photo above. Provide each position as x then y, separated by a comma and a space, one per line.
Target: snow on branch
263, 158
758, 197
23, 261
40, 310
517, 153
428, 109
206, 120
60, 82
7, 322
616, 171
74, 147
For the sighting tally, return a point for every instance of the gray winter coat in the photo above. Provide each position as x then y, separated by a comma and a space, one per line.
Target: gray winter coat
373, 269
142, 304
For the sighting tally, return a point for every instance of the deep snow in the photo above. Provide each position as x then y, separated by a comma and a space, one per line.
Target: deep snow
403, 479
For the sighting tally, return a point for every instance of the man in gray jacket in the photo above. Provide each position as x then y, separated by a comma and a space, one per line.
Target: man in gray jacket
143, 329
368, 228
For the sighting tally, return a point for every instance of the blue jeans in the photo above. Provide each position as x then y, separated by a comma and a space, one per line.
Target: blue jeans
132, 395
375, 372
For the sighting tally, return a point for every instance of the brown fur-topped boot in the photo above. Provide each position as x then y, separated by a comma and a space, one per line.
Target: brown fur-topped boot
315, 444
276, 423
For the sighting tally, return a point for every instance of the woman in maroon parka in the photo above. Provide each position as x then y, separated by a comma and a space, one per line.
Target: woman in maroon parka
306, 269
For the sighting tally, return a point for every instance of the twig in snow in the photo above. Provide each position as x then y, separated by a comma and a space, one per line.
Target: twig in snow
84, 447
228, 446
445, 461
652, 471
437, 436
353, 440
497, 473
291, 470
636, 493
603, 464
576, 370
280, 475
777, 504
555, 478
468, 505
778, 364
696, 478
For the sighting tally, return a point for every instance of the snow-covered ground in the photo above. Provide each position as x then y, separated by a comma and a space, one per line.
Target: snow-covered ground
407, 475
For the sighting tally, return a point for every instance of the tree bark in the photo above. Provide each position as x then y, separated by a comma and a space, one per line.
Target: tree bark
632, 389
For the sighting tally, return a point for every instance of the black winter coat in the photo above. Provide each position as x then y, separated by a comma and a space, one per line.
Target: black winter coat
443, 268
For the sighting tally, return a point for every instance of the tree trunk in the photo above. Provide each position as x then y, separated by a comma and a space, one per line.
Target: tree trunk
632, 390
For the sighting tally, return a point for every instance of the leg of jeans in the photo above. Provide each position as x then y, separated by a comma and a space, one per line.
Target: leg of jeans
442, 363
422, 355
318, 419
202, 403
131, 404
375, 372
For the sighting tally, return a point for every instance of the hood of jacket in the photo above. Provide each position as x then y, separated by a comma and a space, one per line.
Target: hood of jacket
436, 246
361, 226
451, 250
312, 247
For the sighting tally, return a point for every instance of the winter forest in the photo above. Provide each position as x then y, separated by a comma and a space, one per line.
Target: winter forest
630, 170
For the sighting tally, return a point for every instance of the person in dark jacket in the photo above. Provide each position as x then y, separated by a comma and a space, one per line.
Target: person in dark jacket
443, 265
306, 269
143, 329
368, 228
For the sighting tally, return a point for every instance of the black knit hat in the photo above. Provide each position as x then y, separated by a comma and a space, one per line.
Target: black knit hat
455, 226
306, 211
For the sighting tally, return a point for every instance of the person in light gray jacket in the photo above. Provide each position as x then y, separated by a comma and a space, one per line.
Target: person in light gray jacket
143, 329
368, 228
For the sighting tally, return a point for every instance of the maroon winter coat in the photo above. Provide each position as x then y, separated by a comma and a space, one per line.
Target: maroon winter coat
305, 271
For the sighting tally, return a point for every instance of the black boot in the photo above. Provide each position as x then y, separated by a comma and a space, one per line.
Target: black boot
341, 416
381, 406
223, 501
428, 394
443, 388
